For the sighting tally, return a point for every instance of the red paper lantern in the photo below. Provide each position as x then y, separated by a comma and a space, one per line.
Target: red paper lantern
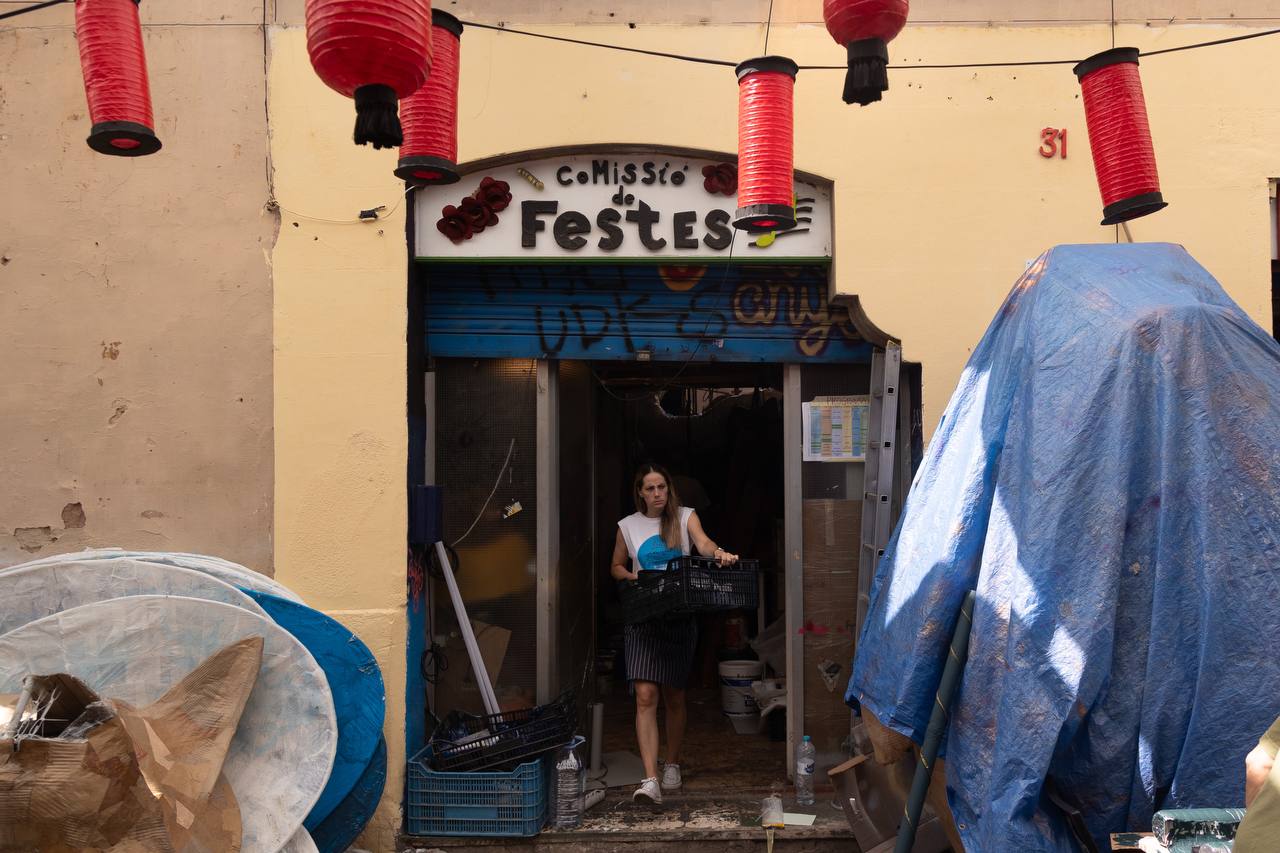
429, 154
115, 78
1119, 135
865, 28
766, 177
375, 51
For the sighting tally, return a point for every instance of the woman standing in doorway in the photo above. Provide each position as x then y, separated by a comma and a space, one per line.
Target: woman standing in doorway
659, 653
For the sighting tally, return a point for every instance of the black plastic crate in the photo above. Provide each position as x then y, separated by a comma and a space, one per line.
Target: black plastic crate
502, 741
691, 585
652, 596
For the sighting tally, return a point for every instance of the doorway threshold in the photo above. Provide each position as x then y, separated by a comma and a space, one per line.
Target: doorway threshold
689, 822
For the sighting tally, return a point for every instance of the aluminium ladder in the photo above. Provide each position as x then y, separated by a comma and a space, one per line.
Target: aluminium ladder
878, 472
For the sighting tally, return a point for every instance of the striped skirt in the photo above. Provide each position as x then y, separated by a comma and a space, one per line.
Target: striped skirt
661, 650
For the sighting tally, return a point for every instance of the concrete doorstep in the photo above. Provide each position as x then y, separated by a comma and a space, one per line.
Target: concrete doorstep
685, 822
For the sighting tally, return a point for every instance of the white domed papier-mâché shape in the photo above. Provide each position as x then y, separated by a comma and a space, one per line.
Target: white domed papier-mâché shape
224, 570
42, 590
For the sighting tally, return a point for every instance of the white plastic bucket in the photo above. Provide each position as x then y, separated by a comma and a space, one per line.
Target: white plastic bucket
746, 724
735, 685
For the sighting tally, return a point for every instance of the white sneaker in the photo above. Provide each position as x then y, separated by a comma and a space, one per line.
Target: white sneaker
671, 777
648, 790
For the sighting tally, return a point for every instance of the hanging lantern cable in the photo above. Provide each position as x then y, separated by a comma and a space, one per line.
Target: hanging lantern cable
728, 63
768, 25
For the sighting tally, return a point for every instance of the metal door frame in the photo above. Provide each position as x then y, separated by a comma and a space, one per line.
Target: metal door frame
793, 543
548, 545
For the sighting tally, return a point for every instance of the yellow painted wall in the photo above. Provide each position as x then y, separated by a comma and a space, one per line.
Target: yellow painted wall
941, 199
341, 428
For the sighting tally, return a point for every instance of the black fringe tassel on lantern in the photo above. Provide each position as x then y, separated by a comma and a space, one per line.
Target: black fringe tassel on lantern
868, 76
378, 117
375, 52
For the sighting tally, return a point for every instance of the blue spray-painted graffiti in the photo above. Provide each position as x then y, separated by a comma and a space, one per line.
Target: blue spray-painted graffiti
672, 313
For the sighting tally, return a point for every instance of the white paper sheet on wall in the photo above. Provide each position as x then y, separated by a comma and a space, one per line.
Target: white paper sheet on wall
835, 429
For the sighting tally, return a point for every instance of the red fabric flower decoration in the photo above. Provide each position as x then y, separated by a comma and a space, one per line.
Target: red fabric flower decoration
454, 224
721, 179
495, 194
478, 214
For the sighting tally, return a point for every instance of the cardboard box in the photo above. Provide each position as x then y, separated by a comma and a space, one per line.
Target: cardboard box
832, 536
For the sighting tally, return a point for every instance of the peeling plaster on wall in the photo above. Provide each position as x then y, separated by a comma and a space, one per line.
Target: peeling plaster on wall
119, 407
73, 517
32, 539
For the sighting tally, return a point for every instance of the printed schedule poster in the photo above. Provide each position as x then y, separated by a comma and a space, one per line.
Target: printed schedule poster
835, 429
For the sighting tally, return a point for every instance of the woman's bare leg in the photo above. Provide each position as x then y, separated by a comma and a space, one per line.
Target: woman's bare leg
647, 725
677, 717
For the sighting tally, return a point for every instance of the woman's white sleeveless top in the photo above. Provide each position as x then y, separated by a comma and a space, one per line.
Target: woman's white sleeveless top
643, 536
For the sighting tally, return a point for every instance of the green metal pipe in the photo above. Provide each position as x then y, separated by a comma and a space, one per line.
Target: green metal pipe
938, 720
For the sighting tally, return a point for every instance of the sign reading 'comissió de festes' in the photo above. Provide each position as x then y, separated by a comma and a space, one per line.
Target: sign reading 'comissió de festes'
609, 207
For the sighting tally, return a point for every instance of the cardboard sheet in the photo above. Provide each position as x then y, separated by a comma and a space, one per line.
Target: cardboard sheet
793, 819
182, 738
459, 679
80, 773
621, 769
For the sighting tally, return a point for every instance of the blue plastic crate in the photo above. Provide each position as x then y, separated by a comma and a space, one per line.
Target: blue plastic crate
485, 803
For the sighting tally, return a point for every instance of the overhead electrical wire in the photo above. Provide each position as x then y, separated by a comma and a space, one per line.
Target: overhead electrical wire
374, 214
706, 60
658, 53
34, 8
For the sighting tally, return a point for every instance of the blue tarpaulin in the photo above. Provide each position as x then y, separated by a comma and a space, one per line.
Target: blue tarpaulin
1106, 476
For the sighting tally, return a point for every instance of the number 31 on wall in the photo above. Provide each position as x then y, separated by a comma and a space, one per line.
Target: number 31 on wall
1050, 138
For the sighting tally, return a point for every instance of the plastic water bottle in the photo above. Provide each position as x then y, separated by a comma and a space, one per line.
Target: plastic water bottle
571, 779
806, 762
